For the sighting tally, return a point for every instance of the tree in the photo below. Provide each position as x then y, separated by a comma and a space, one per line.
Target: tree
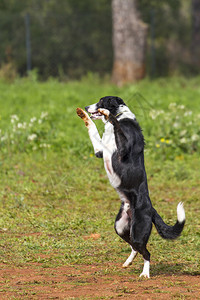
129, 42
196, 33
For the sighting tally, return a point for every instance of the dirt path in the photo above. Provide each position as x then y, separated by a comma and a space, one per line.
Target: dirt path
92, 282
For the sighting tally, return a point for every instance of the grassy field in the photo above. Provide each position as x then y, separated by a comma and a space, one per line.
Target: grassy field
56, 205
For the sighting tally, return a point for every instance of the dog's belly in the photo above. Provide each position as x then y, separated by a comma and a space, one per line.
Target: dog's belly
123, 223
112, 176
109, 147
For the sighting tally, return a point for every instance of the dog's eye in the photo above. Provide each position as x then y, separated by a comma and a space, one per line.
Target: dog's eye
101, 103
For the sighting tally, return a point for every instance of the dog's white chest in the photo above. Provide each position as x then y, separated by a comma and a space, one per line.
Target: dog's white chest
109, 147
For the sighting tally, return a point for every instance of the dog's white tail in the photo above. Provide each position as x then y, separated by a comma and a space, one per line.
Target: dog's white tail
180, 213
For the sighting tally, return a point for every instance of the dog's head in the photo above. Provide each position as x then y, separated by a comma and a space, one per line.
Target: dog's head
114, 104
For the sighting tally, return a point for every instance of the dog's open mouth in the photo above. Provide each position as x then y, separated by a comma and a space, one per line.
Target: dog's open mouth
95, 115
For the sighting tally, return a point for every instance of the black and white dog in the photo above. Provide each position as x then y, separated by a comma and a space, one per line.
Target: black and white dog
122, 149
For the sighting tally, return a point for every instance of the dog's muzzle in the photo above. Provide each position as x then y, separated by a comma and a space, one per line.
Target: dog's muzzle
92, 109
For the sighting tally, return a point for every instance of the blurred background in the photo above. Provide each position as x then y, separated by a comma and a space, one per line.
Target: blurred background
68, 39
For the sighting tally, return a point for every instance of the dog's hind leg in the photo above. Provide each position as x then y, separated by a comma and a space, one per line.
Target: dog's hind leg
92, 131
146, 269
130, 259
138, 241
146, 256
122, 227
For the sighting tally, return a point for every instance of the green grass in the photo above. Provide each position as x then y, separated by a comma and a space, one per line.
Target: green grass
54, 192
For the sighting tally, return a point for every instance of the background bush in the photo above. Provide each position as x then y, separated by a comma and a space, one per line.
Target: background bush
75, 37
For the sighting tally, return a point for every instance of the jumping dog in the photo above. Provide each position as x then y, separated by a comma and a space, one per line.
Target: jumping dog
122, 150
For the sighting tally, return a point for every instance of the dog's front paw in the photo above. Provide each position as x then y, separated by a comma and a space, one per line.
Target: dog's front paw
83, 115
104, 112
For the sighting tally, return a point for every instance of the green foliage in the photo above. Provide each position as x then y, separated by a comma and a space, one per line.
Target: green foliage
171, 25
171, 129
177, 131
26, 136
67, 40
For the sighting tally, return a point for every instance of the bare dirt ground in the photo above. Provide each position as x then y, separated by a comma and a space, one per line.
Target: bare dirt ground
92, 282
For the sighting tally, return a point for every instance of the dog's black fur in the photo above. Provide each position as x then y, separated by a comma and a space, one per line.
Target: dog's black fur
128, 163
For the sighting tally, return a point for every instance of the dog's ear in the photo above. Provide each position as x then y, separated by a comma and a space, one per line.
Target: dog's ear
120, 101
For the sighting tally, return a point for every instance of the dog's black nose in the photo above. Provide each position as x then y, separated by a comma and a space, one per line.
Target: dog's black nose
86, 108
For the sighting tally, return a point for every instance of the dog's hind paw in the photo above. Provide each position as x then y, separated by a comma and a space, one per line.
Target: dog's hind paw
127, 263
145, 275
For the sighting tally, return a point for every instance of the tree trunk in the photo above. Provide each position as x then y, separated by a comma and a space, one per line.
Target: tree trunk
129, 42
196, 34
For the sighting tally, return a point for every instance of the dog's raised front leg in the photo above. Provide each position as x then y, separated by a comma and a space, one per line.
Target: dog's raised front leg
121, 140
92, 131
